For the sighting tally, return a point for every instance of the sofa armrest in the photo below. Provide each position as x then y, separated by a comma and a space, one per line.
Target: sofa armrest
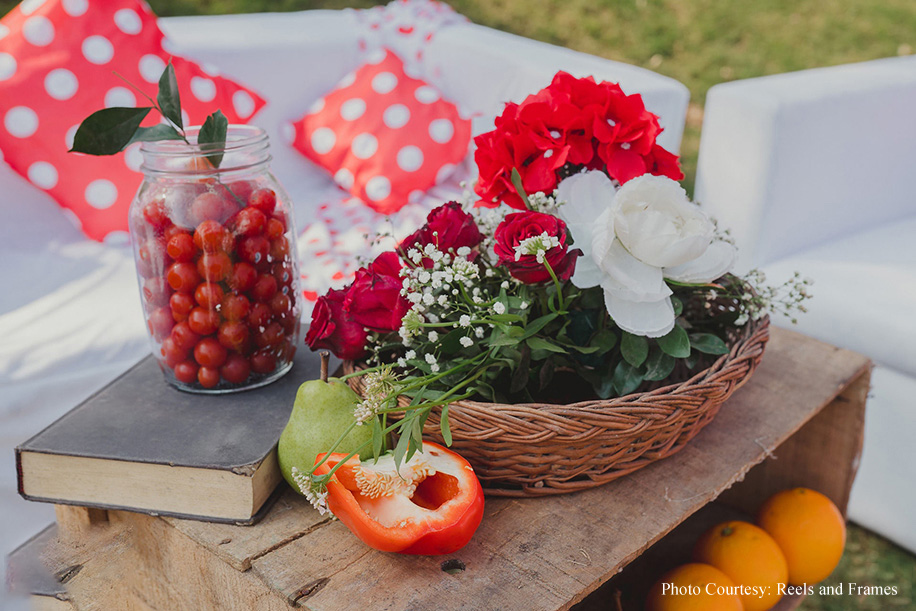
790, 161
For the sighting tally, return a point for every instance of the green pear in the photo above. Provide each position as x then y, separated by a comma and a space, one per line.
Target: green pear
322, 412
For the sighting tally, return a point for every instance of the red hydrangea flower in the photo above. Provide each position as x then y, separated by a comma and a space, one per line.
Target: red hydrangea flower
525, 240
374, 299
448, 228
332, 330
573, 122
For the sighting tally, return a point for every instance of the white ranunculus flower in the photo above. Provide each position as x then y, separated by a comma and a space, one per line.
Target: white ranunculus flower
635, 237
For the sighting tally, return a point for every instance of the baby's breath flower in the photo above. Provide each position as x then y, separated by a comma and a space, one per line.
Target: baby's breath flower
433, 336
467, 342
430, 358
410, 354
479, 332
499, 308
315, 492
465, 320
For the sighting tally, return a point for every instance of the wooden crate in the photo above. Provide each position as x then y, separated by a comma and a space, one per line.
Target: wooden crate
806, 402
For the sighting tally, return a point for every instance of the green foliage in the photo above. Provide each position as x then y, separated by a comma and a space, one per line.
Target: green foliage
108, 131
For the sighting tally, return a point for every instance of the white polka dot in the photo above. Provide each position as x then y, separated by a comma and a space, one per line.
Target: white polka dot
426, 94
21, 121
441, 130
117, 238
101, 194
4, 31
352, 109
168, 46
61, 84
444, 172
75, 8
288, 132
203, 89
185, 117
128, 21
98, 50
120, 96
30, 6
243, 103
133, 158
210, 69
376, 57
317, 106
364, 146
151, 68
43, 174
344, 178
7, 66
347, 80
323, 140
384, 82
396, 115
410, 158
71, 216
70, 135
378, 188
415, 196
38, 30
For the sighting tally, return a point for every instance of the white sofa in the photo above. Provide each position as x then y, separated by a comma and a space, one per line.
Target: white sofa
70, 318
812, 171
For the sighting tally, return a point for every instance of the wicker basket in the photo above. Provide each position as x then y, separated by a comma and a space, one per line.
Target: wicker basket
533, 449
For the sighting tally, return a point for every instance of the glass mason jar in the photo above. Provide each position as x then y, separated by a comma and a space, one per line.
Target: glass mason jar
215, 250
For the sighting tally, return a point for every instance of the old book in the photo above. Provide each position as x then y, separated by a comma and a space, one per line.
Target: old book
141, 445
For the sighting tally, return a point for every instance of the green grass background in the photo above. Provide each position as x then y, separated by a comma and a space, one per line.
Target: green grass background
700, 43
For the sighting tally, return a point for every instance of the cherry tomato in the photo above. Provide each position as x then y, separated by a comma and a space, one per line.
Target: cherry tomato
152, 258
156, 214
181, 247
281, 304
208, 376
265, 288
183, 277
279, 248
208, 295
242, 189
259, 316
264, 200
209, 352
253, 249
236, 369
270, 336
211, 206
275, 228
233, 335
249, 221
203, 321
286, 351
214, 267
183, 336
172, 231
186, 372
235, 307
211, 236
160, 322
243, 277
156, 291
173, 353
290, 323
283, 272
263, 361
181, 304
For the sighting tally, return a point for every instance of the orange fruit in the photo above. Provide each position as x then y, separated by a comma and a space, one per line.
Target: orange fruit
809, 529
693, 587
749, 557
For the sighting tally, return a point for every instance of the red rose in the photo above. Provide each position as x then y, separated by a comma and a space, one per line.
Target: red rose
374, 299
331, 328
541, 231
448, 228
574, 122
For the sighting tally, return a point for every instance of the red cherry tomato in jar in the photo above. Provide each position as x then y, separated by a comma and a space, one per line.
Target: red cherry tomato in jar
235, 307
183, 336
156, 291
272, 335
183, 277
203, 321
172, 231
249, 222
281, 304
264, 200
243, 277
283, 272
263, 361
186, 372
275, 228
253, 249
242, 189
181, 247
290, 323
156, 215
233, 335
279, 249
152, 258
236, 369
208, 376
265, 288
211, 236
211, 206
160, 322
260, 315
208, 295
209, 352
172, 352
181, 304
214, 267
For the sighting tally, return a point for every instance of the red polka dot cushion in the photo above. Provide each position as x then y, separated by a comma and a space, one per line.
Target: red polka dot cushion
57, 64
384, 136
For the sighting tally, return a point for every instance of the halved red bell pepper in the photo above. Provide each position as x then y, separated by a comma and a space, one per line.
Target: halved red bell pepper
432, 505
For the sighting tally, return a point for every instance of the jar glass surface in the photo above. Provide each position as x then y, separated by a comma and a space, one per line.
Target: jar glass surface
214, 243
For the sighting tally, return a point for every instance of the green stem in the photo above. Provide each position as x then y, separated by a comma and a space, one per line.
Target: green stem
556, 283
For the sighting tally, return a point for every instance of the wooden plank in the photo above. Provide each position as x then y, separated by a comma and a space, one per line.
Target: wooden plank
75, 522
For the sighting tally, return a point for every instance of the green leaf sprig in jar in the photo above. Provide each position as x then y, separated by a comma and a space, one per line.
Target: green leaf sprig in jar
214, 244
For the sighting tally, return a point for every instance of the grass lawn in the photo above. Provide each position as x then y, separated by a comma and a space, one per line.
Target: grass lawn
700, 43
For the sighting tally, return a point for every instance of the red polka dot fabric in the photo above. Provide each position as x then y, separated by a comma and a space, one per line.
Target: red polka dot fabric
57, 64
384, 136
